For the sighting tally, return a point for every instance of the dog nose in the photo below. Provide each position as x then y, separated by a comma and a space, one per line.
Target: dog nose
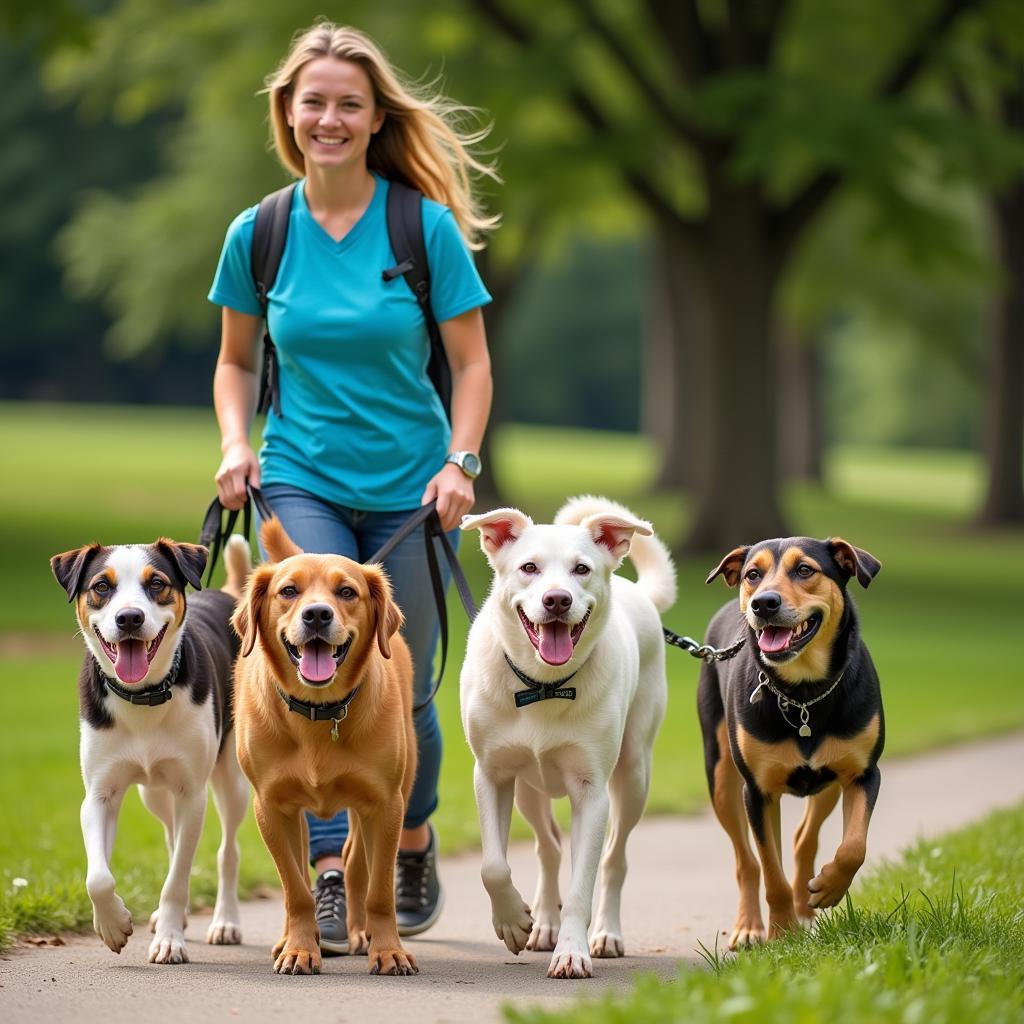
317, 615
557, 601
767, 604
130, 618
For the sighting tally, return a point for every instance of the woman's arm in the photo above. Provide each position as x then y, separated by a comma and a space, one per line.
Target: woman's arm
465, 344
235, 384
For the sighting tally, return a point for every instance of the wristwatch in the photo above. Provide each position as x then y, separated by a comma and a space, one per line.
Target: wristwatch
468, 462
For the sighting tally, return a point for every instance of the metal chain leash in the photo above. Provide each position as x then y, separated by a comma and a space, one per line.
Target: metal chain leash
703, 651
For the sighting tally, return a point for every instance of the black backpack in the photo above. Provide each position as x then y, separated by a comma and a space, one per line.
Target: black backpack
405, 232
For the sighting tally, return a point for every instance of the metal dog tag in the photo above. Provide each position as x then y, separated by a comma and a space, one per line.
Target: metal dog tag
805, 730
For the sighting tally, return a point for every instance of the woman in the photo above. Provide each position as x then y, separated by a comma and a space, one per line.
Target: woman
362, 439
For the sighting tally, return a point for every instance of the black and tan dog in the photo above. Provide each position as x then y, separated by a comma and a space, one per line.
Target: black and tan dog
798, 711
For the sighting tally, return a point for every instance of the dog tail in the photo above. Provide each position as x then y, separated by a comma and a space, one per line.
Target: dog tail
237, 564
656, 572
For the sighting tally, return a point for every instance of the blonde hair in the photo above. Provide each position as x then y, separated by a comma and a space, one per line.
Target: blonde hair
420, 142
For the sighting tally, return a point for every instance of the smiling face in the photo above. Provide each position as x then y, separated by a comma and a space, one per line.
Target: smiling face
553, 579
317, 617
130, 603
332, 113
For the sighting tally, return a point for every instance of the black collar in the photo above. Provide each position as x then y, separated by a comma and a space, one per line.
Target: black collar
152, 696
538, 690
336, 712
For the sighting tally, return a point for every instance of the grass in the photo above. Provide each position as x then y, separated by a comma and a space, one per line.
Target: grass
72, 487
938, 937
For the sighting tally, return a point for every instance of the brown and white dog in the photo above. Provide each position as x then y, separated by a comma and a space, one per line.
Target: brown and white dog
155, 709
324, 716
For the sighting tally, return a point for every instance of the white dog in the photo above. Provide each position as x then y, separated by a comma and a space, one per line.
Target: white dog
562, 692
156, 709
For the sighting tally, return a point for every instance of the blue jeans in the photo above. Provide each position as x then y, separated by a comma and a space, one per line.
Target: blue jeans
323, 527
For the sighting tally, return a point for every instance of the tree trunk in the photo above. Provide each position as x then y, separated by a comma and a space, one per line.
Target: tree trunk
801, 411
1004, 500
737, 494
672, 407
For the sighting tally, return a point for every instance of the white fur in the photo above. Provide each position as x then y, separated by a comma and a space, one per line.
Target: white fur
597, 748
171, 752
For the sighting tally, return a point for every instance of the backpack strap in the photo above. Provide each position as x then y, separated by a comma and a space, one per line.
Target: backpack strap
268, 238
405, 231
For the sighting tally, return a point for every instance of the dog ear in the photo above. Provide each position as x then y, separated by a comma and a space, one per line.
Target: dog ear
67, 567
730, 566
387, 614
615, 532
277, 544
246, 619
190, 559
854, 561
497, 528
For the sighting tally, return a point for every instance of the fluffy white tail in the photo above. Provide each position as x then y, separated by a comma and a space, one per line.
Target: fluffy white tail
237, 564
656, 572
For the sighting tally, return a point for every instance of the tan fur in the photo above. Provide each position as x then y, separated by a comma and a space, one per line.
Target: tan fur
294, 765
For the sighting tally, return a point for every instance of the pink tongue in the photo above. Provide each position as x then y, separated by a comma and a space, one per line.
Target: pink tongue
132, 663
555, 643
317, 664
774, 638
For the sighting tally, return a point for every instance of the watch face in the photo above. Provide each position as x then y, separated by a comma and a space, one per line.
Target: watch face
471, 464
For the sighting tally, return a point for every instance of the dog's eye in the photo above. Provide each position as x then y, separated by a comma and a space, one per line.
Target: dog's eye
803, 570
101, 587
753, 575
347, 594
581, 569
156, 585
529, 568
288, 591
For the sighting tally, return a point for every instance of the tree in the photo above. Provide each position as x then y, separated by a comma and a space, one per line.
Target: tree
735, 124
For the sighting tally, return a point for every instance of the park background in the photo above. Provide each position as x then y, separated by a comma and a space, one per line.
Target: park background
761, 271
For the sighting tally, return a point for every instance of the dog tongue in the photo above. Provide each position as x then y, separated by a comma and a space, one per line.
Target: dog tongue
774, 638
555, 643
317, 664
131, 664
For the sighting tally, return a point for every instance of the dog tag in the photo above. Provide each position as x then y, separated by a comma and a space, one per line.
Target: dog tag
334, 729
805, 730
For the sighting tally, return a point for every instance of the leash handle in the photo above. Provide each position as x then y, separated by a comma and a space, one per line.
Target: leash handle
427, 517
216, 529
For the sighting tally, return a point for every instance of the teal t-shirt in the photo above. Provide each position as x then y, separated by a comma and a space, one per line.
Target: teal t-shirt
361, 424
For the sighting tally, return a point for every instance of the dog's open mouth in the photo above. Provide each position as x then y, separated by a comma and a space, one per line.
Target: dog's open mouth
554, 640
131, 658
316, 659
784, 640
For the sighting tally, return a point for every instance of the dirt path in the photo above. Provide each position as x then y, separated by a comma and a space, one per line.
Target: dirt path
680, 891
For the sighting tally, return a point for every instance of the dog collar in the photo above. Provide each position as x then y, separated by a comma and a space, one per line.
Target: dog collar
784, 701
152, 696
540, 691
336, 713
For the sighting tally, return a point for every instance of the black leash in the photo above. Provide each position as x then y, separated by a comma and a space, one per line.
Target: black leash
216, 530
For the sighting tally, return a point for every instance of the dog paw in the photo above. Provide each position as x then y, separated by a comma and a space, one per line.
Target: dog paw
393, 962
543, 937
155, 916
828, 887
746, 934
515, 929
168, 948
113, 923
358, 942
292, 960
224, 933
779, 924
570, 963
607, 944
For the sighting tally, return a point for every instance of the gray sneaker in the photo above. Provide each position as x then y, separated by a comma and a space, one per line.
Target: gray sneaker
329, 896
418, 893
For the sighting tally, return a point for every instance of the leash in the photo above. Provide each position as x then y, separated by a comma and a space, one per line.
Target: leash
216, 530
703, 651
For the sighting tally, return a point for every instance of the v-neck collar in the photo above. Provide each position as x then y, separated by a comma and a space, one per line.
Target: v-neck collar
358, 228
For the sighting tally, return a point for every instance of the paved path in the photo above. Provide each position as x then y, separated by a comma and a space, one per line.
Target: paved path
680, 890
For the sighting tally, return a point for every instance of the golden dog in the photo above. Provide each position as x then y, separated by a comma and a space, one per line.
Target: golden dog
323, 716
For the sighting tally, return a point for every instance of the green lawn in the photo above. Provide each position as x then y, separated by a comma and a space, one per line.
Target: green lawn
936, 938
117, 475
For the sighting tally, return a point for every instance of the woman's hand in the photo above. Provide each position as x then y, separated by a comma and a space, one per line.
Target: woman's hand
453, 491
239, 465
